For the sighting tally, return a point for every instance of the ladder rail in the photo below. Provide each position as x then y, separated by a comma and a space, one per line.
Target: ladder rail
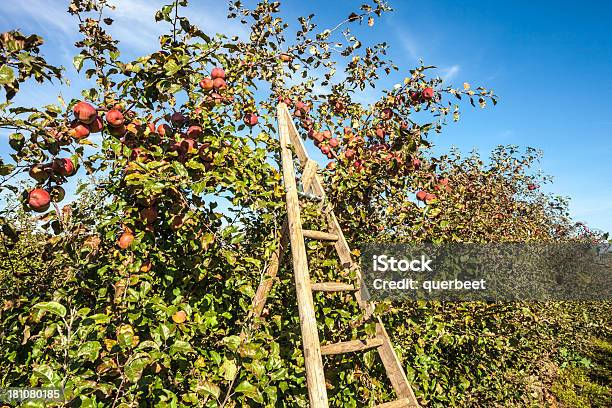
313, 361
259, 300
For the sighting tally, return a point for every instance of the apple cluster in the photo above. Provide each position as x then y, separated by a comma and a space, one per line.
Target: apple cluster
215, 87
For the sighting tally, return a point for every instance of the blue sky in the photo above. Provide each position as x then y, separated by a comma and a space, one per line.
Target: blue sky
549, 62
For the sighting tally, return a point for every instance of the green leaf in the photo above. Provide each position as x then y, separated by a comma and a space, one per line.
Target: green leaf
232, 342
99, 318
45, 373
210, 388
229, 370
6, 169
250, 391
90, 350
77, 61
180, 346
246, 387
171, 67
134, 367
51, 307
7, 75
164, 331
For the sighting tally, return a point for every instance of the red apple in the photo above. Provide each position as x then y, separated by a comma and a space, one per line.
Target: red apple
250, 119
286, 57
177, 118
387, 113
78, 130
149, 215
206, 84
421, 195
96, 126
325, 149
63, 167
428, 94
164, 130
333, 142
179, 317
84, 112
339, 107
327, 134
219, 83
39, 199
532, 187
126, 239
218, 73
429, 198
114, 118
415, 96
380, 132
188, 144
117, 131
194, 131
349, 154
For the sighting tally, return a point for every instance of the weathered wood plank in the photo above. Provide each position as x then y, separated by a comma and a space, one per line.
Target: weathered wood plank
320, 235
332, 287
294, 136
393, 366
315, 376
350, 346
259, 301
400, 403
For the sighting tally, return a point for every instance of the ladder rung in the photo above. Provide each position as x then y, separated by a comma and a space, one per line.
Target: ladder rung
400, 403
332, 287
308, 196
350, 346
320, 235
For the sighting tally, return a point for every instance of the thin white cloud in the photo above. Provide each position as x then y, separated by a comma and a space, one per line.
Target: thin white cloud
451, 72
134, 21
408, 44
48, 17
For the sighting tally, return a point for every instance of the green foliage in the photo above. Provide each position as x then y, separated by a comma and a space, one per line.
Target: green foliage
20, 60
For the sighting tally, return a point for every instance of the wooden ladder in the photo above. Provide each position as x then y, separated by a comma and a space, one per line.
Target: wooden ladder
292, 232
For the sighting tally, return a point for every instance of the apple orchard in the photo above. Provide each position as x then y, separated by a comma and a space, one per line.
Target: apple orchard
136, 292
